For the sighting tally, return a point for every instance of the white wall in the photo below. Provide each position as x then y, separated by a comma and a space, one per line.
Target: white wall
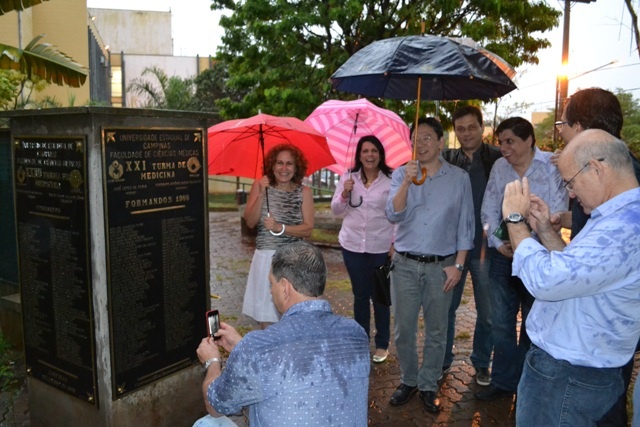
181, 66
134, 31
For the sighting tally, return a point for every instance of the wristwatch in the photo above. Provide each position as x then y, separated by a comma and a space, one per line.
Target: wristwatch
460, 267
514, 218
206, 364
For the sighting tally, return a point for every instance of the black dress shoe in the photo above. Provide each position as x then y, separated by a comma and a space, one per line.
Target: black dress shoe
402, 395
492, 392
430, 401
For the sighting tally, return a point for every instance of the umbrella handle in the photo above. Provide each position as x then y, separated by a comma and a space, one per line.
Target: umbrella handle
421, 180
351, 204
415, 133
273, 233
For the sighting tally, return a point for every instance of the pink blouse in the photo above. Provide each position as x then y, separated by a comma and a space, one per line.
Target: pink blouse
365, 229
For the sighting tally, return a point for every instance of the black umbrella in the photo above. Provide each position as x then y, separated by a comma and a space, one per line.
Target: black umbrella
445, 68
425, 67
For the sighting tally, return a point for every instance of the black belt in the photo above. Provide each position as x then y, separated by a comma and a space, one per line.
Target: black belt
424, 258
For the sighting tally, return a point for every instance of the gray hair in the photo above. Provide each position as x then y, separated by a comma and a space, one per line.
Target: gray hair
301, 264
598, 144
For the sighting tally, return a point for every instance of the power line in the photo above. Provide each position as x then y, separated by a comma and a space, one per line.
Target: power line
579, 75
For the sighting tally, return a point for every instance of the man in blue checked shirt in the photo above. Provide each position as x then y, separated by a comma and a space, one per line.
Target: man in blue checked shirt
309, 369
435, 230
585, 322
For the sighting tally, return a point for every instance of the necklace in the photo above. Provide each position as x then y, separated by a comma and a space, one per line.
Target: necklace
370, 180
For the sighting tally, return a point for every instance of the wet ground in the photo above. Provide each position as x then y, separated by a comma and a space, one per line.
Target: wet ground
230, 259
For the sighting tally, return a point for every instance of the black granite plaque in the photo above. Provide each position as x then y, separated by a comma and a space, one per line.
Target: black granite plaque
155, 202
54, 262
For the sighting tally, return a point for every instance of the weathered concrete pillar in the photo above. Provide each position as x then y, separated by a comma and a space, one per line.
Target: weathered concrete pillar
112, 237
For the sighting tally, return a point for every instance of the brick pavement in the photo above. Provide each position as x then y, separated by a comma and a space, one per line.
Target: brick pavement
230, 259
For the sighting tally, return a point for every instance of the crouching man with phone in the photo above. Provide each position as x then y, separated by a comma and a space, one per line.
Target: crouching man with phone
311, 368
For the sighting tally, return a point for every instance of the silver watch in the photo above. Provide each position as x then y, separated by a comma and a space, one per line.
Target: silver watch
206, 364
514, 218
460, 267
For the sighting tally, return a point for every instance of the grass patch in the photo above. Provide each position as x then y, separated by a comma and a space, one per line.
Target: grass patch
244, 330
463, 336
7, 370
322, 206
222, 202
327, 237
339, 285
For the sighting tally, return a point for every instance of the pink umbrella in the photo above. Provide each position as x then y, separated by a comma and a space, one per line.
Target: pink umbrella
343, 123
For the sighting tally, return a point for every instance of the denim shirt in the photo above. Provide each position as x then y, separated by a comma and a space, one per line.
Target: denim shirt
587, 308
309, 369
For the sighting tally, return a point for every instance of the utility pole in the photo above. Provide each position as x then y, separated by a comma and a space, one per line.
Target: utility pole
562, 81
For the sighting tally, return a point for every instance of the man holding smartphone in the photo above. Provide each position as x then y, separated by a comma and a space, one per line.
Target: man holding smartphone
311, 368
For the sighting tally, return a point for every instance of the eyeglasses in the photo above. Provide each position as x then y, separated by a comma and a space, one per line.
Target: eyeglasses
425, 139
561, 123
568, 185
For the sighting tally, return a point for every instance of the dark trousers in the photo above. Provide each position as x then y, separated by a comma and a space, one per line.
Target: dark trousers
360, 268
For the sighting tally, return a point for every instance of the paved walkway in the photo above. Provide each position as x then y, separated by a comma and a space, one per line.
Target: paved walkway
230, 259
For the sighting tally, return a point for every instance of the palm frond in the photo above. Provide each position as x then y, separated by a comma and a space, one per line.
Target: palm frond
17, 5
44, 61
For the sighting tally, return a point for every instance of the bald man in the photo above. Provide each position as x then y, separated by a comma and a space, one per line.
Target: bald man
585, 322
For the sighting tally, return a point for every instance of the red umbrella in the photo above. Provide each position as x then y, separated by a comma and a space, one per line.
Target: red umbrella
237, 147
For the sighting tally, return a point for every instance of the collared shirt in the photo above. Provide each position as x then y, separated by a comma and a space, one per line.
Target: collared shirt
365, 229
587, 308
309, 369
478, 168
438, 218
544, 181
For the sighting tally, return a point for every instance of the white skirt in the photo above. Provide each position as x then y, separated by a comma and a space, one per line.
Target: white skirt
258, 302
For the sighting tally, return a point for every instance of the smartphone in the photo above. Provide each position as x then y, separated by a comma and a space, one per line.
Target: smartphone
213, 323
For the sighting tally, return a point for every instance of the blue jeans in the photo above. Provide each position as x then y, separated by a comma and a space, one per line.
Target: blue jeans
360, 268
636, 404
482, 340
508, 296
556, 393
209, 421
414, 285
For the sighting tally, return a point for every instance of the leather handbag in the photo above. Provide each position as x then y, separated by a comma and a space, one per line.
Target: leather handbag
382, 283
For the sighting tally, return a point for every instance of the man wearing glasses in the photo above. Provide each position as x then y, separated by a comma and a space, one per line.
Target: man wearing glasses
594, 108
585, 321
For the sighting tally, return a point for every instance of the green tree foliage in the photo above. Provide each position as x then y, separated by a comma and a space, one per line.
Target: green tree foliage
16, 90
282, 53
544, 134
630, 129
212, 89
163, 92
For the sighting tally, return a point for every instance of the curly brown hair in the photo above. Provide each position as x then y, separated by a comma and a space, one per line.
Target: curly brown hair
298, 157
